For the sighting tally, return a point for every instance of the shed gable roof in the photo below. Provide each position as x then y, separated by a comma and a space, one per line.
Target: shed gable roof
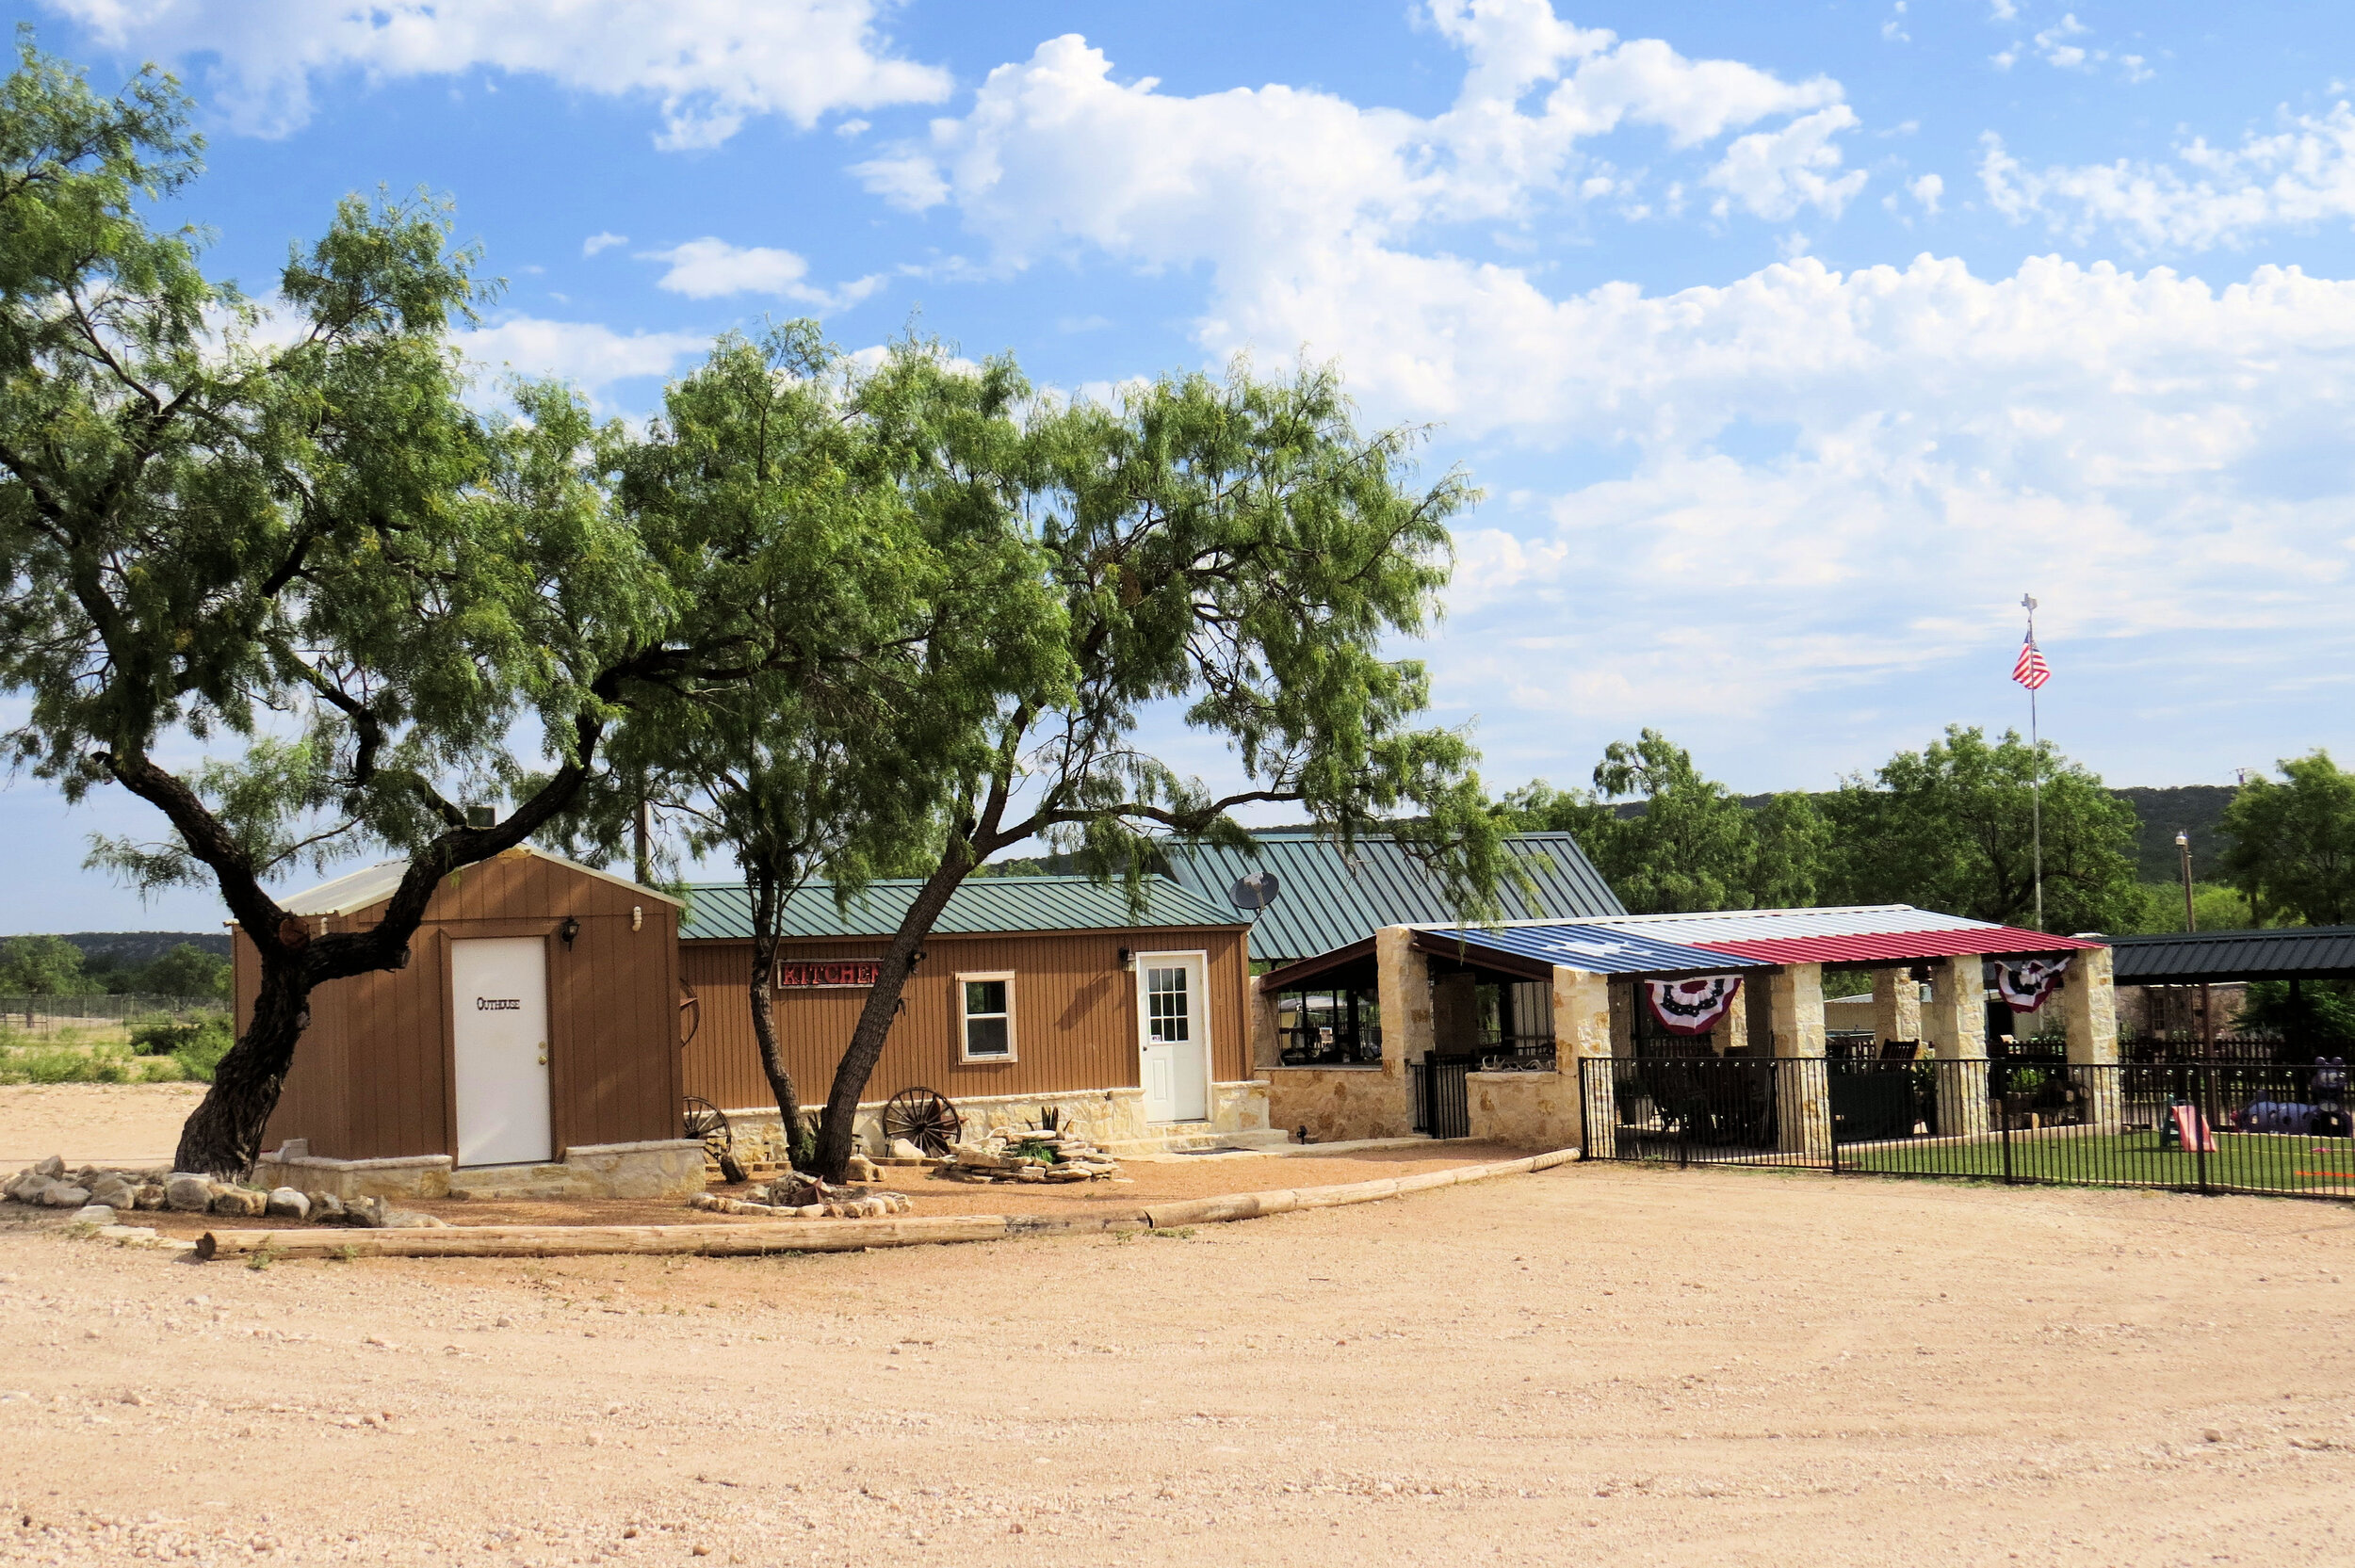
1328, 899
372, 884
983, 905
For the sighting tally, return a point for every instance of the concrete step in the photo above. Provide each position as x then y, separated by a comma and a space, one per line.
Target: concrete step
1171, 1137
513, 1181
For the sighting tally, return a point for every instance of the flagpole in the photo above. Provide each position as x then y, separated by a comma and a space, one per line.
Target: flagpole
2036, 775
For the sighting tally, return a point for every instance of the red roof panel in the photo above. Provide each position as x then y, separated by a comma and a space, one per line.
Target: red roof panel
1899, 946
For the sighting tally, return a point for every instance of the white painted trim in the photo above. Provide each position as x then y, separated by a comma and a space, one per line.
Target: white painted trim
1014, 1040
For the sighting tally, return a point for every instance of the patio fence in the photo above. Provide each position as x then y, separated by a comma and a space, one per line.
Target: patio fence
2199, 1127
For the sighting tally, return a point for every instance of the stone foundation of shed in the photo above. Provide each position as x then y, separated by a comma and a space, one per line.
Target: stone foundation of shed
661, 1168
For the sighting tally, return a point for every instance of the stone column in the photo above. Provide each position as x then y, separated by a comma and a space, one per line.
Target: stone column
1802, 1096
1583, 1028
1955, 1023
1896, 1004
1404, 983
1266, 1045
2089, 999
1623, 1006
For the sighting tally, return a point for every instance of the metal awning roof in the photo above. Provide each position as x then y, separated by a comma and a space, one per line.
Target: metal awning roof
1729, 941
2186, 958
1597, 947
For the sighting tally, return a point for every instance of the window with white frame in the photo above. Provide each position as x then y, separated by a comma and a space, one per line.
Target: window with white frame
986, 1016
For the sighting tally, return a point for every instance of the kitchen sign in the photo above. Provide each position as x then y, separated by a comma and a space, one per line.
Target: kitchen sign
828, 974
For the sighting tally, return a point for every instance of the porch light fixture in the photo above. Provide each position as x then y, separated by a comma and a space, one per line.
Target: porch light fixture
1128, 962
569, 929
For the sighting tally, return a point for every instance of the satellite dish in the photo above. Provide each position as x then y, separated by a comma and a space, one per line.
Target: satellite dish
1255, 892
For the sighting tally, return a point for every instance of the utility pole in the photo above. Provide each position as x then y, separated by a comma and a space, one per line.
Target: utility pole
641, 859
2036, 771
2182, 848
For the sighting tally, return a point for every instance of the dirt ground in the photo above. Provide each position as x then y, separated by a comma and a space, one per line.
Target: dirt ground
93, 1123
1594, 1363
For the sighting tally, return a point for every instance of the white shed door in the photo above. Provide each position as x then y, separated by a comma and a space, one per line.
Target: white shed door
1175, 1045
499, 994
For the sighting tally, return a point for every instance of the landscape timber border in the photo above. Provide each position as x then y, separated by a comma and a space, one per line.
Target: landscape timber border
840, 1235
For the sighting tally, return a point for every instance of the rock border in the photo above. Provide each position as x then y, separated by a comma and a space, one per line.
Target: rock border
842, 1236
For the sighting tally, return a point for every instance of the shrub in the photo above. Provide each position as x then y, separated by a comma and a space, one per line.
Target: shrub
166, 1036
203, 1053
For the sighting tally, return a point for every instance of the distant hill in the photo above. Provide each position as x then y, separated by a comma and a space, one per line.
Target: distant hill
130, 949
2196, 811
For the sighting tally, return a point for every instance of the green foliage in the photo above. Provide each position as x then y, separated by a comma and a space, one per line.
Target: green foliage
2323, 1011
66, 1059
187, 970
193, 1038
42, 967
2217, 906
1691, 844
1948, 828
2293, 843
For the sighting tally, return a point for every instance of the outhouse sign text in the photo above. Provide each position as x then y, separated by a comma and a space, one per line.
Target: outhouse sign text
828, 974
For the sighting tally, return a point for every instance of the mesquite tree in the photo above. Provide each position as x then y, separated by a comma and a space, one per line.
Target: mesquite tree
1231, 555
832, 765
290, 532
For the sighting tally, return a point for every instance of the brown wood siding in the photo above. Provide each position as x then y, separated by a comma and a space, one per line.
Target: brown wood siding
372, 1077
1075, 1016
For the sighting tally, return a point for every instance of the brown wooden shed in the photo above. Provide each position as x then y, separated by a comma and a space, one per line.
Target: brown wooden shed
1032, 990
538, 1013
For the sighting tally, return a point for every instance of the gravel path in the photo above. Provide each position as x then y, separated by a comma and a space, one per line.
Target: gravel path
1593, 1364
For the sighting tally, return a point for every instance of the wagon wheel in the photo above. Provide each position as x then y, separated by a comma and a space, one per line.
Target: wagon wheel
709, 1126
924, 1117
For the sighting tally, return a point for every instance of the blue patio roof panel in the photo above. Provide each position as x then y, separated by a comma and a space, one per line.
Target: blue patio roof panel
1598, 949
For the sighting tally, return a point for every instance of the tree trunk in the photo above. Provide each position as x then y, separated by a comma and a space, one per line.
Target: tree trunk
222, 1138
834, 1129
800, 1146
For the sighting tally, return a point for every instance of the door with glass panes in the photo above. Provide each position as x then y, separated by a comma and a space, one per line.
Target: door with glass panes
1173, 1029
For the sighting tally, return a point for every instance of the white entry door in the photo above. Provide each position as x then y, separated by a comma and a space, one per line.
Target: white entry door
1174, 1018
499, 992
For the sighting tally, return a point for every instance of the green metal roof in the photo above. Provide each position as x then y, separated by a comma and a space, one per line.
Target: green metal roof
1326, 899
985, 905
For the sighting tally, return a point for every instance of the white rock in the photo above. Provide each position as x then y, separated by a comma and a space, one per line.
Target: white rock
52, 1167
94, 1213
187, 1193
59, 1195
287, 1202
902, 1149
326, 1205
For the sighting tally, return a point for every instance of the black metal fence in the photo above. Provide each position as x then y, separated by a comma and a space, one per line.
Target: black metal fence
2263, 1127
1443, 1098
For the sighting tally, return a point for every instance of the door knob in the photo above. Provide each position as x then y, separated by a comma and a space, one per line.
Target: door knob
544, 1052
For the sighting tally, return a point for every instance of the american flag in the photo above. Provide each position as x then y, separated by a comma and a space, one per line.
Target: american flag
2030, 669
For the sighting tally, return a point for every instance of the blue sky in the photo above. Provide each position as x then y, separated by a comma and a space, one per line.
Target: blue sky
1791, 344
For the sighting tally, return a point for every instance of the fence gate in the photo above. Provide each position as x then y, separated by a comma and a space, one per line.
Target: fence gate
1446, 1101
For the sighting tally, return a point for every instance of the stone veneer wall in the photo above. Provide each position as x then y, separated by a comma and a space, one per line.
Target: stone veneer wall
1527, 1110
1338, 1104
662, 1168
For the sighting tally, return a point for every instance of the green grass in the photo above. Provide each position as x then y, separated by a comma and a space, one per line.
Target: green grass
2270, 1162
68, 1058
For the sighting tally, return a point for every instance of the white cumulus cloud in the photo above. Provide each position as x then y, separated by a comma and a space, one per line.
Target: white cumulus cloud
1831, 479
588, 354
2301, 176
709, 64
712, 269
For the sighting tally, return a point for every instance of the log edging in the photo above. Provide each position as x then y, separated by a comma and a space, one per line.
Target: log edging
840, 1235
